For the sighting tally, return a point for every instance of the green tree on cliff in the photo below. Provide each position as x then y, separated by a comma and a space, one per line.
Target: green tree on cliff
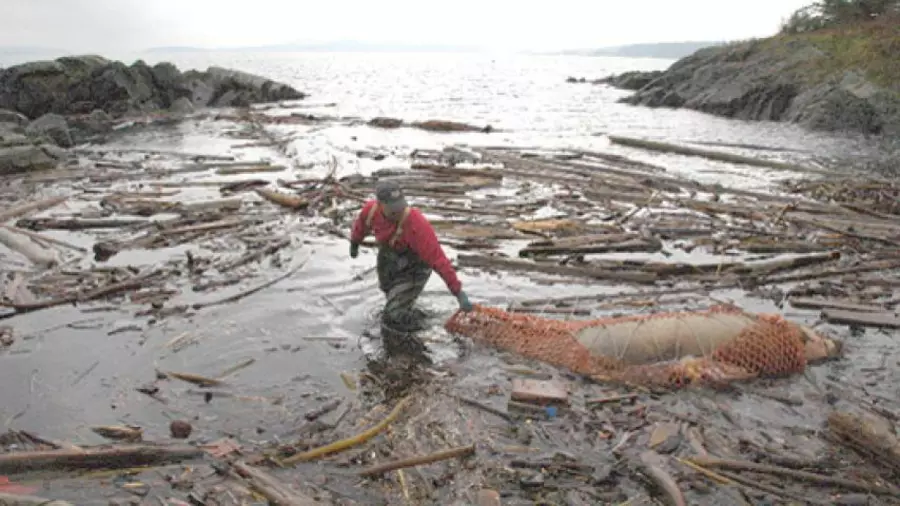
830, 13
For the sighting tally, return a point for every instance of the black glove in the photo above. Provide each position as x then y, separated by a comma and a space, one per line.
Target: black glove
463, 300
354, 249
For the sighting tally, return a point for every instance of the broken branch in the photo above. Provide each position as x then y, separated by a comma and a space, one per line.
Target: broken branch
460, 451
110, 457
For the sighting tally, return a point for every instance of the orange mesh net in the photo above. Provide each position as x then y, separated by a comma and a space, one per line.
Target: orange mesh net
671, 349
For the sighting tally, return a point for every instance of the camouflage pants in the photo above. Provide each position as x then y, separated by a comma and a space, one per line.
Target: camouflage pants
401, 276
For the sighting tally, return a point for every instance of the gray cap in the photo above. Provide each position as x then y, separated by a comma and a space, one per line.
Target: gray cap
390, 194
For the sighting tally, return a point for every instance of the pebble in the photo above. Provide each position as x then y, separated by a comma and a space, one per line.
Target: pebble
487, 497
533, 481
180, 429
852, 500
602, 474
665, 438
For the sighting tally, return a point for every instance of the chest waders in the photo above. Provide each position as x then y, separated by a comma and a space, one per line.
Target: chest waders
402, 276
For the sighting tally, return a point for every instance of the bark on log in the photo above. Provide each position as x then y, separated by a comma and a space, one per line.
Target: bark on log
76, 223
634, 245
98, 457
230, 171
584, 240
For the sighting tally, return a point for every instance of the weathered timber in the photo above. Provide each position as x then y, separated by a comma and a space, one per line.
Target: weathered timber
21, 210
886, 319
124, 456
563, 270
811, 303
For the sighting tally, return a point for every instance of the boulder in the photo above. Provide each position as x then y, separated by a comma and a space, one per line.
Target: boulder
78, 85
182, 106
98, 122
7, 116
27, 158
19, 153
84, 127
53, 127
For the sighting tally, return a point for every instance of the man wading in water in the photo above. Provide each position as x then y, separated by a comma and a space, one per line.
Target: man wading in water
408, 250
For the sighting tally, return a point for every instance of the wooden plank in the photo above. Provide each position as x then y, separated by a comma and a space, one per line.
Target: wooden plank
503, 263
818, 303
882, 320
539, 392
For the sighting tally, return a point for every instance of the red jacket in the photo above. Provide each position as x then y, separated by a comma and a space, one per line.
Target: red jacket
416, 234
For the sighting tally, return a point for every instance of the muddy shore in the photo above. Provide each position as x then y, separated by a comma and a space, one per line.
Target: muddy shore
215, 204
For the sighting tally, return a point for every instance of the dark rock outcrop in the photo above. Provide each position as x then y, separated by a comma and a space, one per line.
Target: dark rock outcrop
52, 126
221, 87
82, 84
633, 80
773, 80
97, 122
19, 153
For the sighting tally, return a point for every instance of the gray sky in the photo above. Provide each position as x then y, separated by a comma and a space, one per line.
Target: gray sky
105, 25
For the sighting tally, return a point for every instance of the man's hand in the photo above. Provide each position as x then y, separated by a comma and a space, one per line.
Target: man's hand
464, 303
354, 249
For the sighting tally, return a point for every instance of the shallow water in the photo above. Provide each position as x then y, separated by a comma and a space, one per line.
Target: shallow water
60, 382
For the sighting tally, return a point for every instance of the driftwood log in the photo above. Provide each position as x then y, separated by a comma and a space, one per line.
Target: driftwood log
274, 490
29, 500
41, 205
97, 457
39, 256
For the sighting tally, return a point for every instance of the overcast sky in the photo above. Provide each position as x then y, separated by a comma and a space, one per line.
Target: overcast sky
106, 25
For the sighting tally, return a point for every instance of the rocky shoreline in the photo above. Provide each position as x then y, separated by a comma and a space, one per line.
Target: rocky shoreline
812, 80
49, 106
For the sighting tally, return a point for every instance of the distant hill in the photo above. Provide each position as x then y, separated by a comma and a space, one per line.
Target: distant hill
673, 50
333, 46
